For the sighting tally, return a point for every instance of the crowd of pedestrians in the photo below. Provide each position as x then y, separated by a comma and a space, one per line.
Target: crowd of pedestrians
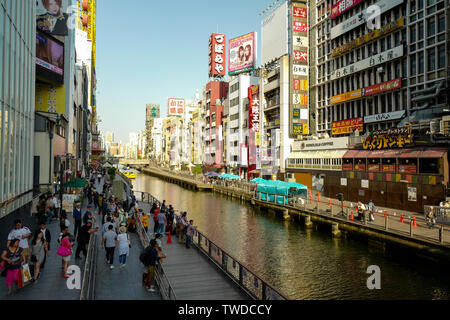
27, 248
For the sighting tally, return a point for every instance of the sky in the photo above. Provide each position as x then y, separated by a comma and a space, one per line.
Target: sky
149, 51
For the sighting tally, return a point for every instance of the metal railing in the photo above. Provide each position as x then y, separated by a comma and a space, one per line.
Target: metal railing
255, 286
164, 285
394, 221
88, 285
441, 214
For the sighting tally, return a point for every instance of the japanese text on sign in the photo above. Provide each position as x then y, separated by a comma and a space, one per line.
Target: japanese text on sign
217, 55
386, 142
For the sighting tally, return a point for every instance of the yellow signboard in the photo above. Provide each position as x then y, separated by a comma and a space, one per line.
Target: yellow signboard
50, 98
387, 28
355, 94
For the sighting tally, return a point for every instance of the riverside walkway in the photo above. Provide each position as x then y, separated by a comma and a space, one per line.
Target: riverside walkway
191, 275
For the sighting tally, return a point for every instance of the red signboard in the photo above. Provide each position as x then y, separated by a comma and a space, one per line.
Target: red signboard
385, 86
253, 110
217, 49
347, 166
388, 168
299, 12
342, 6
360, 167
299, 26
347, 126
407, 168
300, 55
373, 167
175, 107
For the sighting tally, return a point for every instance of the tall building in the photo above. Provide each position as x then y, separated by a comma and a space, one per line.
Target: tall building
238, 123
17, 100
216, 93
378, 101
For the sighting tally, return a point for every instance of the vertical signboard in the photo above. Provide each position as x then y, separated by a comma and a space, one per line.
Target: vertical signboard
299, 65
254, 127
175, 107
217, 47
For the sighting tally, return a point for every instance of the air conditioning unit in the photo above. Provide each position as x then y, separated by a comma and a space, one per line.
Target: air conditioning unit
380, 70
444, 125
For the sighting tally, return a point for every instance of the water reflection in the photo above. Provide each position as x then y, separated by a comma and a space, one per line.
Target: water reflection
303, 263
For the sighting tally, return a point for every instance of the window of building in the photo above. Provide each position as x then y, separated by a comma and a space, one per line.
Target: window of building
441, 58
441, 23
431, 27
429, 166
412, 6
420, 56
420, 36
431, 59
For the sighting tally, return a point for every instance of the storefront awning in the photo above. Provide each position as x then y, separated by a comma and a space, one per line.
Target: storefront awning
411, 153
434, 153
337, 154
351, 154
376, 154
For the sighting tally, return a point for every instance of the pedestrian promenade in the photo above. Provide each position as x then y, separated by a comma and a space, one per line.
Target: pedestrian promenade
51, 285
190, 273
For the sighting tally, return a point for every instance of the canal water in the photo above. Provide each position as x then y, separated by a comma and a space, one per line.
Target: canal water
302, 263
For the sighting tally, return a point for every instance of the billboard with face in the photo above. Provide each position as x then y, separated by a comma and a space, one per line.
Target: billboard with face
242, 53
52, 16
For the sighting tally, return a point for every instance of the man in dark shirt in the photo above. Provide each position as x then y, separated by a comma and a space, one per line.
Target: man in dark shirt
150, 264
88, 214
77, 219
83, 238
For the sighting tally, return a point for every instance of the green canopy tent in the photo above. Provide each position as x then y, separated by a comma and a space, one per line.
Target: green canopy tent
75, 183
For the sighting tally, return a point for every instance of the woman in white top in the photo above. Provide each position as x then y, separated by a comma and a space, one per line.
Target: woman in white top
124, 246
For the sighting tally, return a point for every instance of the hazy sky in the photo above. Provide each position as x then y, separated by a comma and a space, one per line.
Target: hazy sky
149, 50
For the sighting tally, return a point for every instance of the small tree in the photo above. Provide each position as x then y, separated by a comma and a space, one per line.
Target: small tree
112, 173
197, 170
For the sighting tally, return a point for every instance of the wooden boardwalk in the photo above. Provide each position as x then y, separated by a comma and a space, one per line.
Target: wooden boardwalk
192, 275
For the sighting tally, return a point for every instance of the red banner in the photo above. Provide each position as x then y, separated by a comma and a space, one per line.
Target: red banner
217, 47
347, 126
384, 86
300, 55
300, 26
299, 12
342, 6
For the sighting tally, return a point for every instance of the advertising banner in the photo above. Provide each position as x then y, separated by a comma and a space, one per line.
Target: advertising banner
385, 29
217, 49
347, 126
50, 98
49, 53
274, 34
299, 107
300, 70
52, 16
300, 84
175, 107
342, 6
300, 128
301, 55
361, 18
300, 41
299, 12
254, 124
346, 96
242, 53
384, 116
369, 62
298, 26
384, 86
153, 111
